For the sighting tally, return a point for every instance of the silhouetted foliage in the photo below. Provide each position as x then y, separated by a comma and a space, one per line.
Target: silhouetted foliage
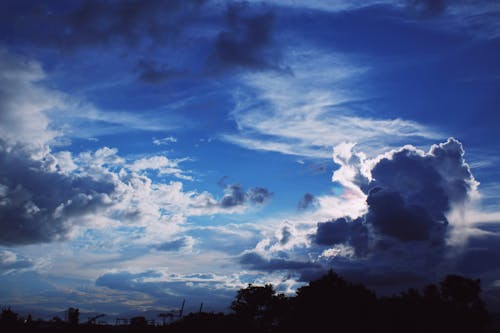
73, 316
328, 304
260, 307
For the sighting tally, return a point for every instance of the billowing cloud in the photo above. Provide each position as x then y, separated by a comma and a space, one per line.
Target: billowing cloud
46, 195
405, 233
409, 193
39, 205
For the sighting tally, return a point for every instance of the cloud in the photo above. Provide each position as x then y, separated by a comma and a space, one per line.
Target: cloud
176, 244
101, 23
297, 115
24, 104
258, 195
9, 261
235, 196
353, 233
164, 141
162, 164
248, 40
307, 201
409, 194
170, 289
39, 205
255, 261
414, 207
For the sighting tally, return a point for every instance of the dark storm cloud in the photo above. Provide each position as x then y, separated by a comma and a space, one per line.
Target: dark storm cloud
307, 201
390, 216
407, 200
344, 231
411, 192
71, 25
237, 196
42, 206
255, 261
247, 41
174, 245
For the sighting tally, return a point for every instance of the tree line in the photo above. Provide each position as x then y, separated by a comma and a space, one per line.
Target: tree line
328, 304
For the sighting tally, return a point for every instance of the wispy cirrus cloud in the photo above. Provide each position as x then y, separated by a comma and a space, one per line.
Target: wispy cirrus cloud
308, 113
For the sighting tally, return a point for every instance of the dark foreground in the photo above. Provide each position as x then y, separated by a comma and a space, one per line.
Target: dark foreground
329, 304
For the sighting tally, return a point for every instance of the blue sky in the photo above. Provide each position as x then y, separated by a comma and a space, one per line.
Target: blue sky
155, 151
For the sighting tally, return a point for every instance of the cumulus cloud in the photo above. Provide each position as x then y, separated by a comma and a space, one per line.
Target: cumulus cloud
41, 206
411, 198
47, 195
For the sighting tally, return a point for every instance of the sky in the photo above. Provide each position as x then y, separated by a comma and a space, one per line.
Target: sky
155, 151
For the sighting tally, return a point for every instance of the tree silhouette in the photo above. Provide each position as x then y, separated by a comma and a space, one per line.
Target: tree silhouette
260, 306
333, 302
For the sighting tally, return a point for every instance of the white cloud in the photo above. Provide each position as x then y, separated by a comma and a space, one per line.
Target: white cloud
24, 105
297, 115
164, 141
162, 164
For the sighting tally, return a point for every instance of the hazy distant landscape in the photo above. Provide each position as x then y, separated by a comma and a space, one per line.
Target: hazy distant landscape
454, 305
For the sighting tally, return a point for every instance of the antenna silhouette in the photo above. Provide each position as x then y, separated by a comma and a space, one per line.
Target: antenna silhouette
92, 321
181, 311
173, 313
